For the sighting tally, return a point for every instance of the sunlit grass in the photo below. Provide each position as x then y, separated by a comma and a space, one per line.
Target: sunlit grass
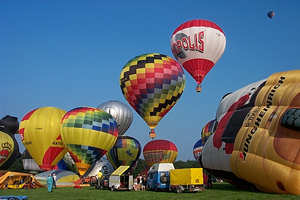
219, 192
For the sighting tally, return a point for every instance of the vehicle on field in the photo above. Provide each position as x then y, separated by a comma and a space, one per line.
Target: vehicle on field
120, 179
158, 176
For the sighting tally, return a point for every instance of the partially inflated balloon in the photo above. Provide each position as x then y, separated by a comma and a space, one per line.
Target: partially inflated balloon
9, 150
159, 151
88, 134
121, 112
152, 84
198, 45
126, 151
257, 137
40, 131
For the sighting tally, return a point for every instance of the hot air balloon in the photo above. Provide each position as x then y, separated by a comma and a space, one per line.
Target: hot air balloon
126, 151
258, 133
40, 131
208, 130
88, 134
121, 112
152, 84
9, 124
9, 150
159, 151
197, 150
197, 45
271, 14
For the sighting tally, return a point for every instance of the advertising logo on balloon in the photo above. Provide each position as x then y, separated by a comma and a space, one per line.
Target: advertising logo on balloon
5, 152
259, 113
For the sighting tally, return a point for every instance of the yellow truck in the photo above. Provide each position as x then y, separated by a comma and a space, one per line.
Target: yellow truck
186, 180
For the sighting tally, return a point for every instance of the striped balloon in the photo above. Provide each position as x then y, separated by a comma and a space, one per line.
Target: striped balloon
126, 151
152, 84
197, 150
198, 45
159, 151
88, 134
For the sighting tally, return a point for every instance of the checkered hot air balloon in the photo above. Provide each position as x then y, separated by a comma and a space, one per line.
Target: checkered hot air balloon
197, 45
152, 84
88, 134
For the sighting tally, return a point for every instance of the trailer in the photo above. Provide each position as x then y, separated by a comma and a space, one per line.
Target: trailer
186, 180
120, 180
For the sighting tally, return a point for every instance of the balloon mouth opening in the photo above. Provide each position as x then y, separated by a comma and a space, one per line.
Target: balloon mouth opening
198, 88
152, 134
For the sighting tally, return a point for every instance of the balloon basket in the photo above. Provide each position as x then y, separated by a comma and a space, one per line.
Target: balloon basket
198, 88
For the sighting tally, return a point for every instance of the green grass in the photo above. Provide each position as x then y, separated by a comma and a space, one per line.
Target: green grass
219, 192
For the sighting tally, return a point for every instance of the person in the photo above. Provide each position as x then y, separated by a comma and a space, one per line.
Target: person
54, 180
50, 183
99, 178
144, 183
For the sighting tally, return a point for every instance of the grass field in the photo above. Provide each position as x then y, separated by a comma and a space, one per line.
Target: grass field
219, 192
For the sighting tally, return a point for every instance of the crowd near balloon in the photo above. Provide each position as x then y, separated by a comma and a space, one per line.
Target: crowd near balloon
253, 140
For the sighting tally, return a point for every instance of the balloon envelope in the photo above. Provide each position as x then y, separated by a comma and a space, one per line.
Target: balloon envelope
152, 84
88, 134
126, 151
9, 124
257, 137
40, 131
159, 151
121, 112
197, 150
9, 150
197, 45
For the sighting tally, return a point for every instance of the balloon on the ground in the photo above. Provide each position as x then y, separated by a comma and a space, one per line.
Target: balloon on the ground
88, 134
257, 137
121, 112
64, 178
9, 150
9, 124
126, 151
197, 45
102, 165
40, 131
152, 84
159, 151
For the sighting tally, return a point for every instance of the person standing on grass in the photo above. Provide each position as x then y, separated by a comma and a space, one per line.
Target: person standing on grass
50, 183
54, 180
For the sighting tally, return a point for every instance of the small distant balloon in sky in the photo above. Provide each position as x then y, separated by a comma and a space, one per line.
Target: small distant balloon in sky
271, 14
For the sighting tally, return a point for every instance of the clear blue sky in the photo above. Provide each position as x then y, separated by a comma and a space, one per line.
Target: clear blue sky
70, 53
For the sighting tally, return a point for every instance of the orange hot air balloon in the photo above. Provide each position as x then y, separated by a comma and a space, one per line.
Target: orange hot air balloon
40, 131
198, 45
159, 151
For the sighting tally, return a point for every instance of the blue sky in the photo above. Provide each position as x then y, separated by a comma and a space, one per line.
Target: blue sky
70, 53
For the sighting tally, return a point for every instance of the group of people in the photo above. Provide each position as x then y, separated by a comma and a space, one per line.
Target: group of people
51, 182
140, 183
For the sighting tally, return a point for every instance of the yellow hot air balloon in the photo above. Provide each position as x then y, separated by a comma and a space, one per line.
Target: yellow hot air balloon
266, 149
88, 134
40, 131
8, 150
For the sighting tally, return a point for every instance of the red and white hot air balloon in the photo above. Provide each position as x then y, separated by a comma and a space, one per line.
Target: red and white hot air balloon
198, 45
